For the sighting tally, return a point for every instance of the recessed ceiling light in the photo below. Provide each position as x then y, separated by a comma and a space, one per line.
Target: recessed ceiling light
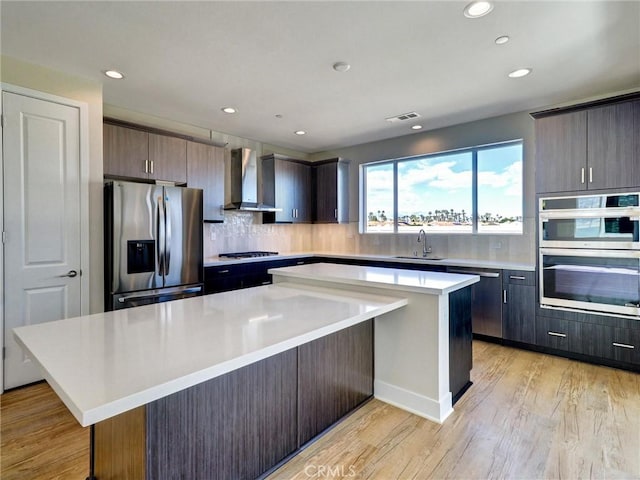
502, 40
300, 132
341, 66
228, 110
114, 74
477, 9
521, 72
416, 127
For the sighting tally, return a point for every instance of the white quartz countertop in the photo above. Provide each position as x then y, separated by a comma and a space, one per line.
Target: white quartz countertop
105, 364
447, 262
432, 283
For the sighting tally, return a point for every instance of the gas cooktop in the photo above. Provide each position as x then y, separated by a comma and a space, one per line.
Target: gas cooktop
247, 254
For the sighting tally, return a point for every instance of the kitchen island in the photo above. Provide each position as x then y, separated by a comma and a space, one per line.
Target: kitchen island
423, 352
214, 386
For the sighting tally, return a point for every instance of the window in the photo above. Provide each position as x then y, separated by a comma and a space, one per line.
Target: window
379, 199
476, 190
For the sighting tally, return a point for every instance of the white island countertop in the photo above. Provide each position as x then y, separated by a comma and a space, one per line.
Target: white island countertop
105, 364
432, 283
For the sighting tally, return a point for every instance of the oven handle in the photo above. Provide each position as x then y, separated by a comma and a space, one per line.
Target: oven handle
580, 252
612, 212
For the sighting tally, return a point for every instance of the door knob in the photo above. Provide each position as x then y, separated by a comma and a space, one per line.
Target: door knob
70, 273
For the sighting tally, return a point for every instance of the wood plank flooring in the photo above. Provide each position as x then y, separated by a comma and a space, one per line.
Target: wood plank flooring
527, 416
39, 438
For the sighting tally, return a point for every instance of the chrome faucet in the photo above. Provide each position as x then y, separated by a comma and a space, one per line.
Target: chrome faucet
423, 235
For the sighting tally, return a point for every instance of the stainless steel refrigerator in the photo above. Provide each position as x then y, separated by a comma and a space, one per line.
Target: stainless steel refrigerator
153, 243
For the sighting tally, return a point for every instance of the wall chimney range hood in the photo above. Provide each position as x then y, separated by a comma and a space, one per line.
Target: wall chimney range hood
244, 183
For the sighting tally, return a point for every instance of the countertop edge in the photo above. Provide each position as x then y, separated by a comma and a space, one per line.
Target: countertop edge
447, 262
289, 272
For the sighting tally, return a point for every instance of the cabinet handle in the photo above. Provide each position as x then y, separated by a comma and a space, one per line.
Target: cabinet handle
335, 214
146, 166
623, 345
504, 296
223, 271
266, 283
590, 174
582, 175
517, 277
151, 162
556, 334
301, 262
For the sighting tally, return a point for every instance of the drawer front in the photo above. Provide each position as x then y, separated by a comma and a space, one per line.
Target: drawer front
518, 277
625, 345
553, 333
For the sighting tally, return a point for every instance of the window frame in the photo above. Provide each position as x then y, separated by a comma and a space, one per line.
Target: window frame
364, 216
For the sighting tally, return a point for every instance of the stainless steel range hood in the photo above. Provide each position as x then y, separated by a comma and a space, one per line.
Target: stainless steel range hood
244, 183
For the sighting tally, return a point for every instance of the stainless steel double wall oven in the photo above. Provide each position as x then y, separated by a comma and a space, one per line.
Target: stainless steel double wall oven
590, 253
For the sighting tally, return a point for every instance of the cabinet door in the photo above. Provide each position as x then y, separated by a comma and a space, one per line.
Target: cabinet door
302, 193
519, 313
126, 152
561, 152
335, 375
614, 146
327, 193
169, 158
285, 182
205, 170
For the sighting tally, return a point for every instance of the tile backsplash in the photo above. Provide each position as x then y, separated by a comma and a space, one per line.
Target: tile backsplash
244, 231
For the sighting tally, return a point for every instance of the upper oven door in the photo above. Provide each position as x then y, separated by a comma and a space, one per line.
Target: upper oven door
592, 280
600, 221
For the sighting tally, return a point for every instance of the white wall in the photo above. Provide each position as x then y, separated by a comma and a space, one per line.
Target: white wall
16, 72
515, 248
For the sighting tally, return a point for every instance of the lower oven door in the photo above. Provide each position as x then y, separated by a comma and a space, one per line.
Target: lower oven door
592, 280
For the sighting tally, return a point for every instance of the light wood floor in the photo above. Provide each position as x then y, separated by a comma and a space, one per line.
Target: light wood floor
527, 416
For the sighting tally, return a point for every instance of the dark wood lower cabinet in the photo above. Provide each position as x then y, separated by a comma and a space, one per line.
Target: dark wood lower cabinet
595, 342
335, 375
460, 340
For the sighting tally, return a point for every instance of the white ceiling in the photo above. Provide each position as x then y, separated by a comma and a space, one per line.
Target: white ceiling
186, 60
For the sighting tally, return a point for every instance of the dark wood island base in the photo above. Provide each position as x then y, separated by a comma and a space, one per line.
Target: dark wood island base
244, 423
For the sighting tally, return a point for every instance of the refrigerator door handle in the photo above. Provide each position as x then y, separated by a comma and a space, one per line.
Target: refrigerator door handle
137, 296
167, 242
160, 237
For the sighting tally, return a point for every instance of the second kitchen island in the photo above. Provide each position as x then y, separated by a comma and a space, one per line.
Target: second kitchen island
423, 354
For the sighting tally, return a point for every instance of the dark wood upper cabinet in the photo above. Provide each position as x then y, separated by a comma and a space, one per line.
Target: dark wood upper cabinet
287, 186
205, 170
561, 150
132, 152
331, 191
126, 152
588, 147
613, 139
168, 158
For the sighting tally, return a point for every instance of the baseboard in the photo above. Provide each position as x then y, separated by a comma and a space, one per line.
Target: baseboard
434, 410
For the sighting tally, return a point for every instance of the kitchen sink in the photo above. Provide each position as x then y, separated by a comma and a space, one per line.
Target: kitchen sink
426, 259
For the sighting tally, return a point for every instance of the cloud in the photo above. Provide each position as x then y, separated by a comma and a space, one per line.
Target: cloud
510, 178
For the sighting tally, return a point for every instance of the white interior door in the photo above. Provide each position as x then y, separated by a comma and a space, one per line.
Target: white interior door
42, 250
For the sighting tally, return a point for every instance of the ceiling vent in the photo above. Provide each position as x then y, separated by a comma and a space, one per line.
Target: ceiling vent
402, 117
